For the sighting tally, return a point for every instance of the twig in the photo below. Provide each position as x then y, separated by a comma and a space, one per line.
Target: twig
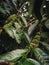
20, 10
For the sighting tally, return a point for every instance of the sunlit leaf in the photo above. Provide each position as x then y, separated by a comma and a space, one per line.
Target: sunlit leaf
13, 55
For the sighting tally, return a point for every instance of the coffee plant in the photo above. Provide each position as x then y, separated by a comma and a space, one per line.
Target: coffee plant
24, 32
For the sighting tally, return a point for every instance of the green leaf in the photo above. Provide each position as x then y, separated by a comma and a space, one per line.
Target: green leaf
44, 35
39, 54
24, 20
14, 30
5, 7
47, 23
45, 46
26, 37
2, 10
14, 3
19, 63
12, 56
29, 61
31, 7
32, 27
8, 28
18, 35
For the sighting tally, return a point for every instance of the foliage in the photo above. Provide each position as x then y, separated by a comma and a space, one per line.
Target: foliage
24, 39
